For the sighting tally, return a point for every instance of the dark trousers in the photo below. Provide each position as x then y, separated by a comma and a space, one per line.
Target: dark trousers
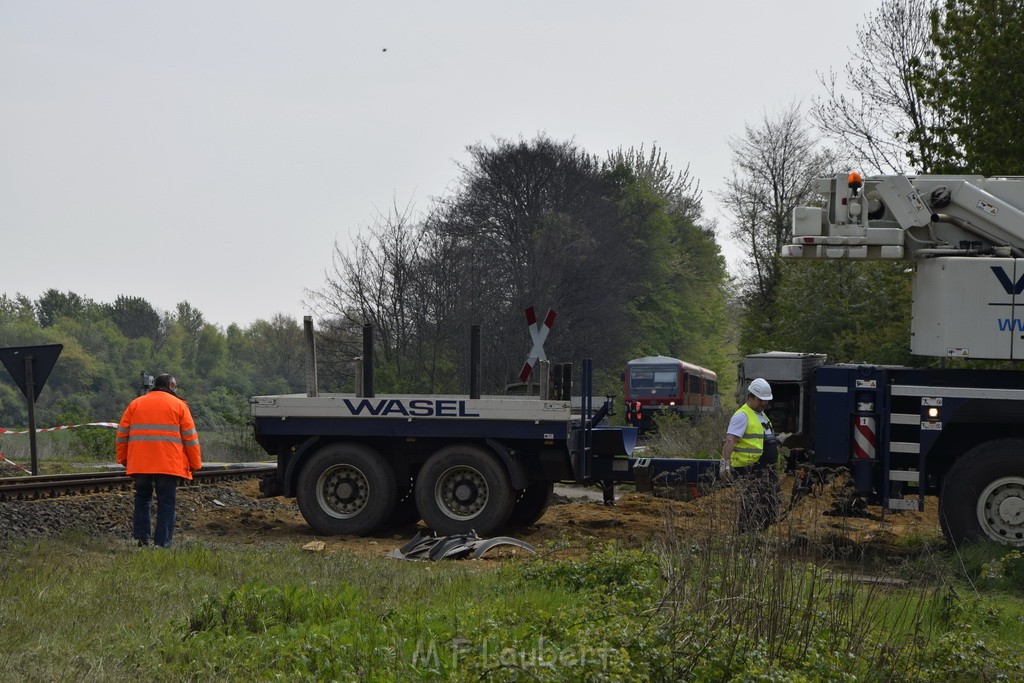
759, 496
166, 487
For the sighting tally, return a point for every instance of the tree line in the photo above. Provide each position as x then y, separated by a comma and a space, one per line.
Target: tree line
109, 346
617, 243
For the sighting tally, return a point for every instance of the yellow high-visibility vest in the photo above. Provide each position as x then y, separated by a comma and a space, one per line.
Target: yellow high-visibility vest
750, 446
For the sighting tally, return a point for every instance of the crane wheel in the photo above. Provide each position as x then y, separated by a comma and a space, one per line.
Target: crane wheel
983, 494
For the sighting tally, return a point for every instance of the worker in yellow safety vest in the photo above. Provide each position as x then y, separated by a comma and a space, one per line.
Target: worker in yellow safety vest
749, 455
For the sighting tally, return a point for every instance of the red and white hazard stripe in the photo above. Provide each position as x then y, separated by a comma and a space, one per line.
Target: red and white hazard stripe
864, 438
105, 425
14, 464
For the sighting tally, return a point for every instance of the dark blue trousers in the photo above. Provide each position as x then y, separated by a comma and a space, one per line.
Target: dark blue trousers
166, 486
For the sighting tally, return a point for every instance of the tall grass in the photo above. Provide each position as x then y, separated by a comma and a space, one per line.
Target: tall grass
748, 599
684, 437
710, 607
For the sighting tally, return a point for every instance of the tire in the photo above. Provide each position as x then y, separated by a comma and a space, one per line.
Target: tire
533, 501
983, 494
463, 488
346, 489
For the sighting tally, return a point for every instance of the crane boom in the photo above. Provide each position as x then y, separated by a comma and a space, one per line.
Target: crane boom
965, 235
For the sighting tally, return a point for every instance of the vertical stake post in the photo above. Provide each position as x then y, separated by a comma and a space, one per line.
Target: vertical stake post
474, 361
30, 394
311, 380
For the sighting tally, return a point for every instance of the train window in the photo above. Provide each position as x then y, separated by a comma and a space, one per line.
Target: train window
665, 378
652, 378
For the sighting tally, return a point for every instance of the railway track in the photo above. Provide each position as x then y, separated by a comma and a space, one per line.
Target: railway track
54, 485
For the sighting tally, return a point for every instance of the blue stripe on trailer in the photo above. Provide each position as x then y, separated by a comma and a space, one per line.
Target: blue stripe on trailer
418, 428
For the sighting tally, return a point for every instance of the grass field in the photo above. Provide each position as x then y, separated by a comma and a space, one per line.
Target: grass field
702, 605
83, 609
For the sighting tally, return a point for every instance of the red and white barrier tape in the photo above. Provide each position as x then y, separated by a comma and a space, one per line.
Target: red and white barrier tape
105, 425
14, 464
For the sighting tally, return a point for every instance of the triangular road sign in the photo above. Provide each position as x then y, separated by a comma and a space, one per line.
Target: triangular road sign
43, 360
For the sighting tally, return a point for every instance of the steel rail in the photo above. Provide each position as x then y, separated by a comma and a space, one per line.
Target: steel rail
54, 485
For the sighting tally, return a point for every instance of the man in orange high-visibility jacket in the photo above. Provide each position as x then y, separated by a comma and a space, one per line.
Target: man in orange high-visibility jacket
158, 445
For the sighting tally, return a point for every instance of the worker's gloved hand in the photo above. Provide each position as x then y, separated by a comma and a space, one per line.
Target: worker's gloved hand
725, 471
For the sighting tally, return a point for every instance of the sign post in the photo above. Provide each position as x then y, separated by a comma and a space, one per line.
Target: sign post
30, 367
30, 395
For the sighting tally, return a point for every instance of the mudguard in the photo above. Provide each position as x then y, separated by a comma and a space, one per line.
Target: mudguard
427, 546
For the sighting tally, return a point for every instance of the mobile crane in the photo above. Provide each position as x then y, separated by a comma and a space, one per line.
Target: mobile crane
905, 433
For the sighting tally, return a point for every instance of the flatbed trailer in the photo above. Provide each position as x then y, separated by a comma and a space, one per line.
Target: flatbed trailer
459, 463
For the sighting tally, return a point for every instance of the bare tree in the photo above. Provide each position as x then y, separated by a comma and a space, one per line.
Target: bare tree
876, 113
774, 167
373, 283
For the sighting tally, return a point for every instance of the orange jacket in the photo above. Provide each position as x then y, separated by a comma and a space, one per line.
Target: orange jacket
157, 436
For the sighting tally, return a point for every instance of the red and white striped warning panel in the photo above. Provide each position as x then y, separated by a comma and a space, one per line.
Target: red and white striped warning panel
538, 333
105, 425
864, 438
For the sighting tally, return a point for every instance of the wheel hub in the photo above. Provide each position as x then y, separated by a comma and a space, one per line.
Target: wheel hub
1011, 510
1001, 509
343, 491
464, 493
461, 493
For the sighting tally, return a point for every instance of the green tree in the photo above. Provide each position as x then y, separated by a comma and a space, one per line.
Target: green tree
679, 304
18, 307
135, 317
54, 304
191, 323
276, 354
867, 304
211, 351
535, 223
975, 83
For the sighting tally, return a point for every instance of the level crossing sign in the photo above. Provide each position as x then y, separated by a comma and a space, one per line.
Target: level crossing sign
538, 333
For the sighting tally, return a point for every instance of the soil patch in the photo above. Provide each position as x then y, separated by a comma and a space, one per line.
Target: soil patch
233, 513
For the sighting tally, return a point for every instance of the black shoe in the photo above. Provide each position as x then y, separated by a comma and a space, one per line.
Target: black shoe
143, 542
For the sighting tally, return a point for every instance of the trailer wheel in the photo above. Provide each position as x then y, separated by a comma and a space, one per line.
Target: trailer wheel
983, 494
346, 489
463, 488
533, 501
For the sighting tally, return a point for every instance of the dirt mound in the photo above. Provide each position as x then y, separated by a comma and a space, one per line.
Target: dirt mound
577, 525
578, 522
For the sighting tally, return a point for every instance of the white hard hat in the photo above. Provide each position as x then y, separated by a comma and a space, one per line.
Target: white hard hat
761, 389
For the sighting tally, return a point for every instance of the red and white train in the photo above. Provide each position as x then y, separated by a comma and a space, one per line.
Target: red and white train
660, 383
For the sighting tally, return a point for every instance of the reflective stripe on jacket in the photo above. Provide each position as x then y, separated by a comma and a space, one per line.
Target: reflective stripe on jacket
750, 446
157, 436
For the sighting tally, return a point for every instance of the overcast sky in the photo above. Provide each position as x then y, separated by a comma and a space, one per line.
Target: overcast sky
215, 151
